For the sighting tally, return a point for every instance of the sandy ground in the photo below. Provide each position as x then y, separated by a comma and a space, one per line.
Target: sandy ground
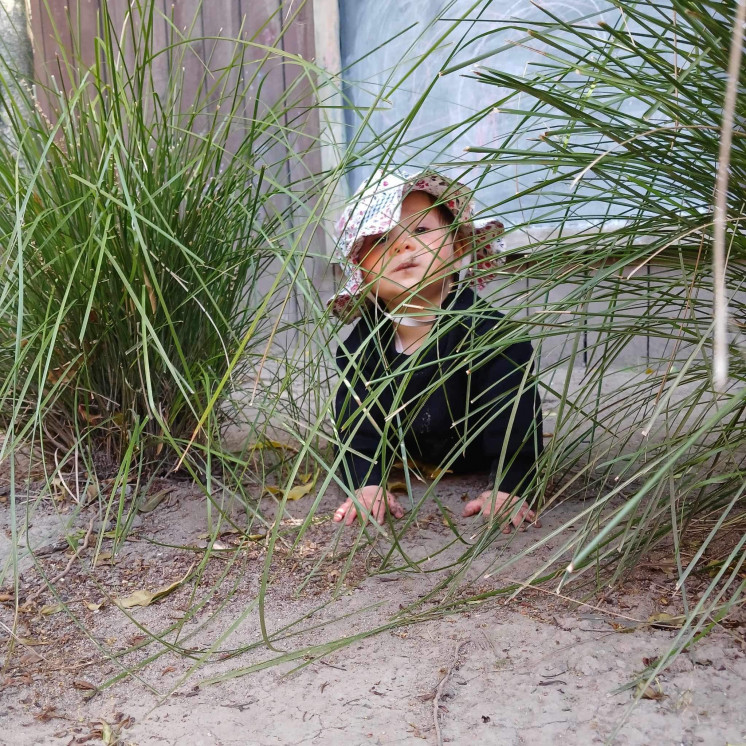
531, 669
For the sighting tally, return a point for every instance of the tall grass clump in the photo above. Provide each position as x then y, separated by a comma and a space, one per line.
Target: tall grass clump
614, 149
138, 228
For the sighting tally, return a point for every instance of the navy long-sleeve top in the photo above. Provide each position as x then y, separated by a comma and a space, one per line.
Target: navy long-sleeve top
466, 399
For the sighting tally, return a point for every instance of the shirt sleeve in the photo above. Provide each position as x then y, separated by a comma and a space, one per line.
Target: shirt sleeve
358, 425
505, 403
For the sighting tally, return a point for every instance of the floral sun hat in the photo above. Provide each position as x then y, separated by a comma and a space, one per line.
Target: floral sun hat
376, 208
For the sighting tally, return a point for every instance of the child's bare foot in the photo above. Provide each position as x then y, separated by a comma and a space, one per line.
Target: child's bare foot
502, 503
371, 499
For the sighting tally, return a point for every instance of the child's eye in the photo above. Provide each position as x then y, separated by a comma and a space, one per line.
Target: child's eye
421, 229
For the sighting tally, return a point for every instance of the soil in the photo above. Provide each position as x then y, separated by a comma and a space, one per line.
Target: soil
517, 668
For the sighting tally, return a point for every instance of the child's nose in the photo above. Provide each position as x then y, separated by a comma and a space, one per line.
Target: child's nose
404, 242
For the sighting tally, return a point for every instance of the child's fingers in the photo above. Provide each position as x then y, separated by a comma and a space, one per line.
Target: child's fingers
341, 511
525, 516
351, 516
473, 507
380, 512
395, 507
377, 509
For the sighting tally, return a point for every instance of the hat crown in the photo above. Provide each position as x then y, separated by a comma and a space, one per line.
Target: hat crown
375, 208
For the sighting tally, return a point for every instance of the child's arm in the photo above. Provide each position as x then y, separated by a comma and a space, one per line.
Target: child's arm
359, 424
505, 397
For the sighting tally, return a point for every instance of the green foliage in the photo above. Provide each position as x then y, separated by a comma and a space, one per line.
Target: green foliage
150, 245
628, 116
138, 230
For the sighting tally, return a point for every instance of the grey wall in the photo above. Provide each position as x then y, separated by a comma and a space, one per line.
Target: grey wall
382, 41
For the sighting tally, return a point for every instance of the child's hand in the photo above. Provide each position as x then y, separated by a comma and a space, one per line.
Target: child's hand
371, 498
503, 504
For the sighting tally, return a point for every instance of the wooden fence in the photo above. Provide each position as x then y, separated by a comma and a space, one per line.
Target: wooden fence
66, 30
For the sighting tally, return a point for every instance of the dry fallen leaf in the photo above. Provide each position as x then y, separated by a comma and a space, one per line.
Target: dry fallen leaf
108, 736
296, 492
103, 558
397, 486
52, 609
83, 684
666, 621
93, 607
653, 690
274, 444
6, 597
145, 598
300, 490
152, 502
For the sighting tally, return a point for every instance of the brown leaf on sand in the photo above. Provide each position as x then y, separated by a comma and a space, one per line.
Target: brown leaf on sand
652, 690
274, 444
30, 641
145, 598
298, 491
49, 713
666, 621
102, 731
83, 685
52, 609
151, 502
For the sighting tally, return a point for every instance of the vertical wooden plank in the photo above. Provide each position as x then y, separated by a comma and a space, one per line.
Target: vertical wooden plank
119, 19
46, 52
303, 122
35, 9
298, 39
163, 37
189, 59
60, 62
221, 26
84, 20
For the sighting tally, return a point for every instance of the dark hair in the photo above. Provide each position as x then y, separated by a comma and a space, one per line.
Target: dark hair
446, 214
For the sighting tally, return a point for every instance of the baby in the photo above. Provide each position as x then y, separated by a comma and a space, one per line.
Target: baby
429, 371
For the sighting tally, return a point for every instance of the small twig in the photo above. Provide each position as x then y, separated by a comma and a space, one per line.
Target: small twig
439, 691
62, 479
69, 565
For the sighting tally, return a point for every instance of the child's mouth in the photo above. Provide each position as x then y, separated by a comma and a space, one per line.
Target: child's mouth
405, 265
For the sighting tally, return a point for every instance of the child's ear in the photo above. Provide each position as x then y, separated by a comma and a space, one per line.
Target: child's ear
461, 245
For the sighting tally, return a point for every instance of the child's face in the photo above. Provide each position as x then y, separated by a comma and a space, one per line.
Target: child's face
413, 262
